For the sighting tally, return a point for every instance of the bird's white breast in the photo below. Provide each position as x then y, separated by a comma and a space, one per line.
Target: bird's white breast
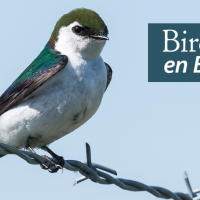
59, 106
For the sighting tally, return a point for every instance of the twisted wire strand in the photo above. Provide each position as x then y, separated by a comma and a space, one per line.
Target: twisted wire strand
91, 171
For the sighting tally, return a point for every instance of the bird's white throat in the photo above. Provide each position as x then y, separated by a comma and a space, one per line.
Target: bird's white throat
70, 44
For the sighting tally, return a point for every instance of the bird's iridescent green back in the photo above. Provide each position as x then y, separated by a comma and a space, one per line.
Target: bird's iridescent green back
47, 64
45, 60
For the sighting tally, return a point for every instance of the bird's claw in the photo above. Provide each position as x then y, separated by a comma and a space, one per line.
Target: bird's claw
55, 166
44, 167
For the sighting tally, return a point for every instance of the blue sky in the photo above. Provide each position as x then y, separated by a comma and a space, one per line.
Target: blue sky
148, 132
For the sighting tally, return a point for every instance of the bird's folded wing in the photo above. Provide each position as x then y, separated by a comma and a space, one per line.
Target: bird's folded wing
47, 64
109, 75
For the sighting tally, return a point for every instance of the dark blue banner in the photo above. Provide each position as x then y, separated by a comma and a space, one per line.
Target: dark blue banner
173, 53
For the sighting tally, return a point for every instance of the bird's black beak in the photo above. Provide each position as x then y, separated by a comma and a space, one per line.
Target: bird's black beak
99, 37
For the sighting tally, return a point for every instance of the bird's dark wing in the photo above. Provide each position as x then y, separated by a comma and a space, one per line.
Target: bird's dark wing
109, 75
47, 64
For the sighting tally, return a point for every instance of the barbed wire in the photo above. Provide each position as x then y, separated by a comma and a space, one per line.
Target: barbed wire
92, 171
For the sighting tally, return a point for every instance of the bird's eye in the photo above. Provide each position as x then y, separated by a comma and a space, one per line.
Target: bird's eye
78, 29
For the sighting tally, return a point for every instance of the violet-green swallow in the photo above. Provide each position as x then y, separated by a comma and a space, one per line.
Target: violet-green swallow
62, 88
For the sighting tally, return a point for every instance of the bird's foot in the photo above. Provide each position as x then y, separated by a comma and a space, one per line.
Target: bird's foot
57, 163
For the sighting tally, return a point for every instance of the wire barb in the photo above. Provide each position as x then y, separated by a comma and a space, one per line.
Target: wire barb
91, 171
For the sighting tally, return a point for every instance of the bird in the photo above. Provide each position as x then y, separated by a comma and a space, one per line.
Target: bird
61, 89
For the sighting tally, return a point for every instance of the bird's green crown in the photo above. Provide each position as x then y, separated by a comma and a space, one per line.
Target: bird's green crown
85, 17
